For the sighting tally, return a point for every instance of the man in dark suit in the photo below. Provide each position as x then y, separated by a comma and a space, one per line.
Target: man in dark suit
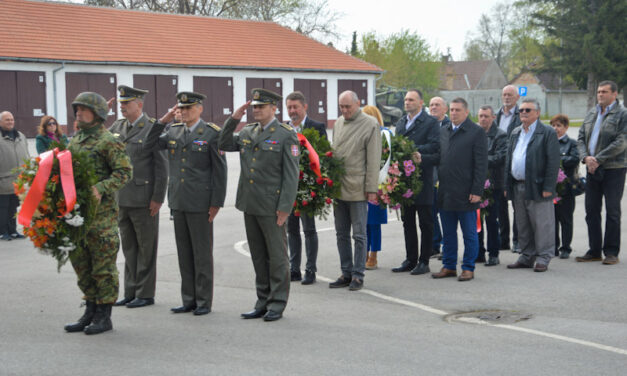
297, 111
533, 159
139, 200
497, 151
196, 192
438, 109
424, 131
508, 118
462, 172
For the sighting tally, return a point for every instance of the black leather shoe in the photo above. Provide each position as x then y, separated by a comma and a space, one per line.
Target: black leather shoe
183, 309
201, 311
272, 316
492, 261
420, 269
254, 314
295, 276
406, 266
340, 282
17, 235
122, 302
6, 237
356, 284
139, 302
310, 277
435, 253
564, 254
588, 257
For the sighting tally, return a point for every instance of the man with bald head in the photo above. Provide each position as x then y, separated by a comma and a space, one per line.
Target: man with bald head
357, 140
438, 109
508, 118
13, 150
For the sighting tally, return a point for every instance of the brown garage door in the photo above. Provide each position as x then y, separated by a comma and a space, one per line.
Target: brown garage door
23, 93
219, 103
358, 86
272, 84
101, 83
316, 95
161, 92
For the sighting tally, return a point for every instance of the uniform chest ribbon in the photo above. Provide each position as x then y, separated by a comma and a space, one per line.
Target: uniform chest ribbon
36, 191
314, 160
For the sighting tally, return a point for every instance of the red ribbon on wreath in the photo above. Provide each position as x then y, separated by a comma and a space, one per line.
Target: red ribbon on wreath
314, 159
478, 220
38, 187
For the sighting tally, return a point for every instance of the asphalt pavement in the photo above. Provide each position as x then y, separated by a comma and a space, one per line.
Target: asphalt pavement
571, 320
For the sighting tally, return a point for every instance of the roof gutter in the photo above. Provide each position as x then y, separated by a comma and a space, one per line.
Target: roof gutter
232, 67
54, 88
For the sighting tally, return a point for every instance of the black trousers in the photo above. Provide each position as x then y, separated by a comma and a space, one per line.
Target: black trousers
8, 209
610, 185
425, 218
564, 210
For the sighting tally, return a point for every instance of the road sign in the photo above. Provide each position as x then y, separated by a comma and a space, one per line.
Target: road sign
522, 91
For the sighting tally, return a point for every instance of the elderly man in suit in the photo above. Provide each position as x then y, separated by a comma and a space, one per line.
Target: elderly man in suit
269, 155
424, 131
438, 109
533, 160
462, 172
357, 140
602, 144
297, 111
139, 200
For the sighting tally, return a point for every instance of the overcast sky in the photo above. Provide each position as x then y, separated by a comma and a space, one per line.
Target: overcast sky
442, 23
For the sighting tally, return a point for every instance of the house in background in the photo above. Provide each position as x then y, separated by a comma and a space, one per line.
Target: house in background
478, 82
52, 51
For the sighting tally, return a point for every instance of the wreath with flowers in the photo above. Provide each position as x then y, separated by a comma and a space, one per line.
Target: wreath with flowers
402, 182
316, 193
55, 224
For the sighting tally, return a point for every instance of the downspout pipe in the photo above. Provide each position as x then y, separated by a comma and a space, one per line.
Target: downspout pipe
54, 89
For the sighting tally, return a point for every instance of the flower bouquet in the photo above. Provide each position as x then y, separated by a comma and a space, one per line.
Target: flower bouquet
562, 185
487, 198
318, 182
57, 204
402, 182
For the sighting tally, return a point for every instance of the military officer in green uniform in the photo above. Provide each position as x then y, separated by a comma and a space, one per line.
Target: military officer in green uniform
139, 200
269, 154
94, 259
196, 192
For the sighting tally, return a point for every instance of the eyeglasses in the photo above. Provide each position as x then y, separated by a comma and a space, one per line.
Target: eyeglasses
527, 109
52, 123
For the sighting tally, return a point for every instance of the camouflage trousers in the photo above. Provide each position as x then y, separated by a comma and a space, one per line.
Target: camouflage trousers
94, 262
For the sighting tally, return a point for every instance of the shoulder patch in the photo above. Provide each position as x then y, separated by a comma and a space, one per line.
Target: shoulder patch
215, 127
286, 126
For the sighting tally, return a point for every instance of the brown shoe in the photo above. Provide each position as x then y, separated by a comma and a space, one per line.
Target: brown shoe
587, 258
518, 265
467, 275
540, 268
371, 263
444, 272
610, 260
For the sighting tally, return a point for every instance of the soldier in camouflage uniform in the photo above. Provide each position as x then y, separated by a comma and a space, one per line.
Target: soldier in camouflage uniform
269, 154
94, 259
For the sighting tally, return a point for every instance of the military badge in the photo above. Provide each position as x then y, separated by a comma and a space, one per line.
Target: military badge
295, 150
122, 92
256, 95
272, 142
183, 97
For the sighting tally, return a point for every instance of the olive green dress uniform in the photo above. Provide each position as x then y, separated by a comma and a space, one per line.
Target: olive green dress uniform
94, 260
197, 182
139, 231
268, 182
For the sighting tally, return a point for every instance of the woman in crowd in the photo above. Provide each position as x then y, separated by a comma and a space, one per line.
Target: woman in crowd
376, 215
48, 131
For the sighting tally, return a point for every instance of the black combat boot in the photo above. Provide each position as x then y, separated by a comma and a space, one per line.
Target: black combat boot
102, 320
90, 310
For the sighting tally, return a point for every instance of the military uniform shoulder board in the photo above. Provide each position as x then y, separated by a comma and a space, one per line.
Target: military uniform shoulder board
176, 125
286, 126
252, 124
215, 127
152, 120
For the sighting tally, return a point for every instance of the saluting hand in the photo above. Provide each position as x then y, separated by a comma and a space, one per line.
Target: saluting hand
281, 217
96, 194
239, 113
213, 212
110, 103
169, 116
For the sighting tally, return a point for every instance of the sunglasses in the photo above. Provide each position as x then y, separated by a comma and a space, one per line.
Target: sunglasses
52, 123
527, 109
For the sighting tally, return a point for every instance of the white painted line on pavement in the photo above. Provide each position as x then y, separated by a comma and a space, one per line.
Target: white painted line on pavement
239, 248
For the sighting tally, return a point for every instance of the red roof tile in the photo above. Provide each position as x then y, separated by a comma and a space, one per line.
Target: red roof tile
70, 32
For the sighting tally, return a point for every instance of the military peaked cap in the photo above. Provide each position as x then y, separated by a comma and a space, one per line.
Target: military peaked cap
129, 93
263, 96
189, 98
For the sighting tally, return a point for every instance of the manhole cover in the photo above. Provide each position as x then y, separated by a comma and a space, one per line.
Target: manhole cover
489, 316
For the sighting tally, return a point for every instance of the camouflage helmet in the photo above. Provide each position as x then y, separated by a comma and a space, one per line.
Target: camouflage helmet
94, 102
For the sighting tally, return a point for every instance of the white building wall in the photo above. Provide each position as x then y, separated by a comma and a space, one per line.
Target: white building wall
55, 81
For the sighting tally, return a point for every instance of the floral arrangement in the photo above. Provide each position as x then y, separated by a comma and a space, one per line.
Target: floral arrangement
403, 179
316, 193
487, 198
562, 185
53, 231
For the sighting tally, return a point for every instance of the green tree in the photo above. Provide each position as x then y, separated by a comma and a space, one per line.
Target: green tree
406, 58
590, 39
354, 49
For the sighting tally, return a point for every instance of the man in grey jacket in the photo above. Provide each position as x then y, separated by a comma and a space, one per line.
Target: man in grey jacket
533, 159
602, 147
13, 150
